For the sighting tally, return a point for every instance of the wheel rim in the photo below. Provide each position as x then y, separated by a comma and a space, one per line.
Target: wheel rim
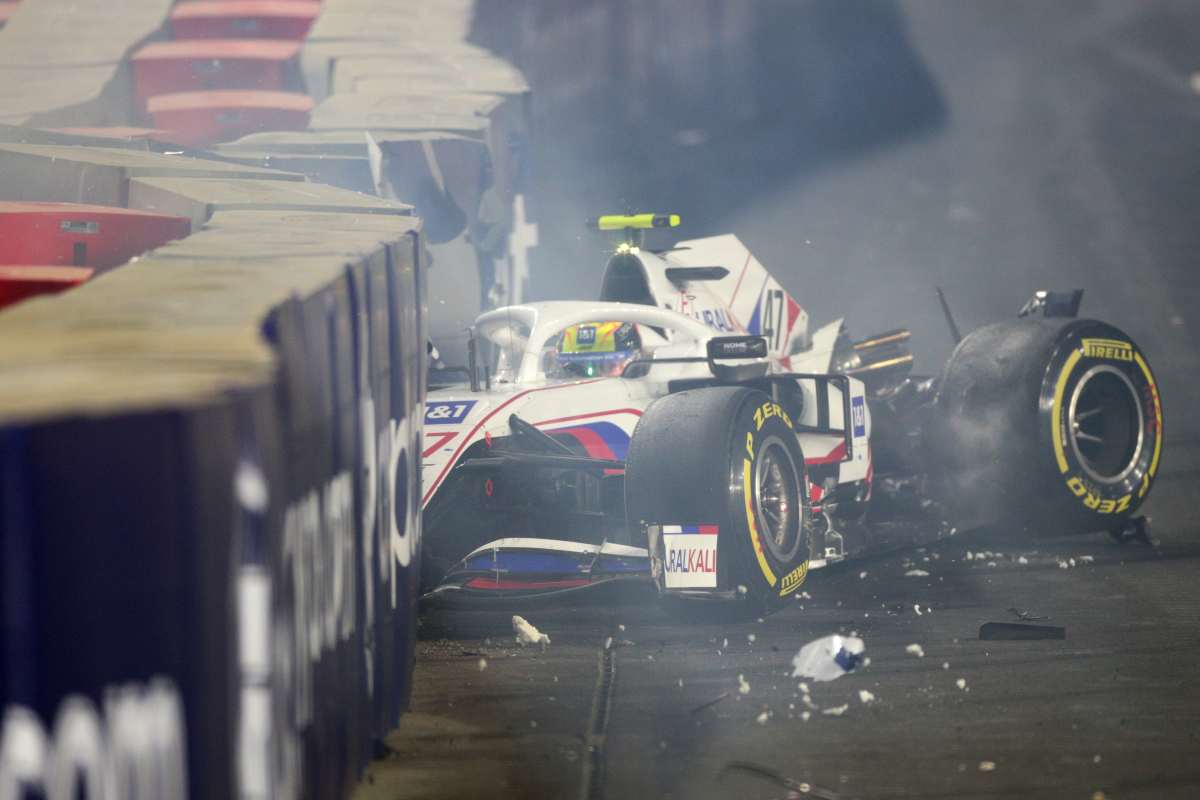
1105, 424
778, 508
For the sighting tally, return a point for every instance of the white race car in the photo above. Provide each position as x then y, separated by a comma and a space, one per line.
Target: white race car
688, 429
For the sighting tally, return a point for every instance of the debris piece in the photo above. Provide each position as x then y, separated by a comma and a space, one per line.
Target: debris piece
750, 637
961, 683
710, 703
621, 628
608, 643
803, 687
741, 589
533, 723
1096, 759
743, 684
917, 609
828, 658
945, 665
527, 634
835, 711
482, 664
862, 574
762, 718
1026, 616
987, 766
916, 573
806, 715
915, 650
865, 697
1013, 631
1022, 560
1086, 559
681, 683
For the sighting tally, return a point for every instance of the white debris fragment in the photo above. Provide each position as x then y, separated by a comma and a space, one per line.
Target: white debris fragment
945, 665
915, 650
961, 683
987, 766
743, 685
828, 658
750, 637
1071, 561
1096, 759
806, 715
806, 595
725, 644
1086, 559
762, 718
916, 573
862, 574
482, 664
1022, 560
533, 723
527, 634
803, 687
621, 628
681, 683
741, 589
1063, 564
835, 711
865, 697
608, 643
991, 563
917, 608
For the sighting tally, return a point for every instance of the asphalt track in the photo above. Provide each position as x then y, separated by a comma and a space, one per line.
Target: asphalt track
1067, 158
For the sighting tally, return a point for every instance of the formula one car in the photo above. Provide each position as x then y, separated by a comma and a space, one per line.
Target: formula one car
688, 429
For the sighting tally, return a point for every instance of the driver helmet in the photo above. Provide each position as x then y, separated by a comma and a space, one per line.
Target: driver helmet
598, 349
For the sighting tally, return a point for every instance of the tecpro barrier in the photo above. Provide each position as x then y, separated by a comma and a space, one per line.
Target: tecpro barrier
208, 512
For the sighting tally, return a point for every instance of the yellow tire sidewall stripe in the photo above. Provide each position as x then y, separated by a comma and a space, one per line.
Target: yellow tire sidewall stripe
755, 541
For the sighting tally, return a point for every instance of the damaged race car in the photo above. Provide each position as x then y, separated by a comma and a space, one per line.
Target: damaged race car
687, 429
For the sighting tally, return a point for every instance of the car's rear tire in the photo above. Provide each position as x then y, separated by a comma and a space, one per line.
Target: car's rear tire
1052, 426
726, 457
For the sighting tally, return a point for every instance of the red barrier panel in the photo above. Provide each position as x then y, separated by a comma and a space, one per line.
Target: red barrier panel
258, 19
82, 235
205, 64
19, 282
202, 118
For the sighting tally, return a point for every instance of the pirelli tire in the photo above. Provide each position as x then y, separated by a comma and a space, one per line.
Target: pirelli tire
1050, 425
726, 457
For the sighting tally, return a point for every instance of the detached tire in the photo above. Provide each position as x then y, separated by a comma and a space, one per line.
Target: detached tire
725, 457
1053, 426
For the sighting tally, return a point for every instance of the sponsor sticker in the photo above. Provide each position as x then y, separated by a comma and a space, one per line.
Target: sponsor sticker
690, 559
1110, 349
586, 335
451, 412
858, 415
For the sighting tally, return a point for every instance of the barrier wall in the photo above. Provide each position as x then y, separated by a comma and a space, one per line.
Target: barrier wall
209, 494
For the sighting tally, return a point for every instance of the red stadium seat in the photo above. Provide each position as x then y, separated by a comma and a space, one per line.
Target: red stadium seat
20, 282
81, 235
236, 19
205, 64
204, 118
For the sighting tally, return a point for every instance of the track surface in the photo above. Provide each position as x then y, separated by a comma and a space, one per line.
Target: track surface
1067, 158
